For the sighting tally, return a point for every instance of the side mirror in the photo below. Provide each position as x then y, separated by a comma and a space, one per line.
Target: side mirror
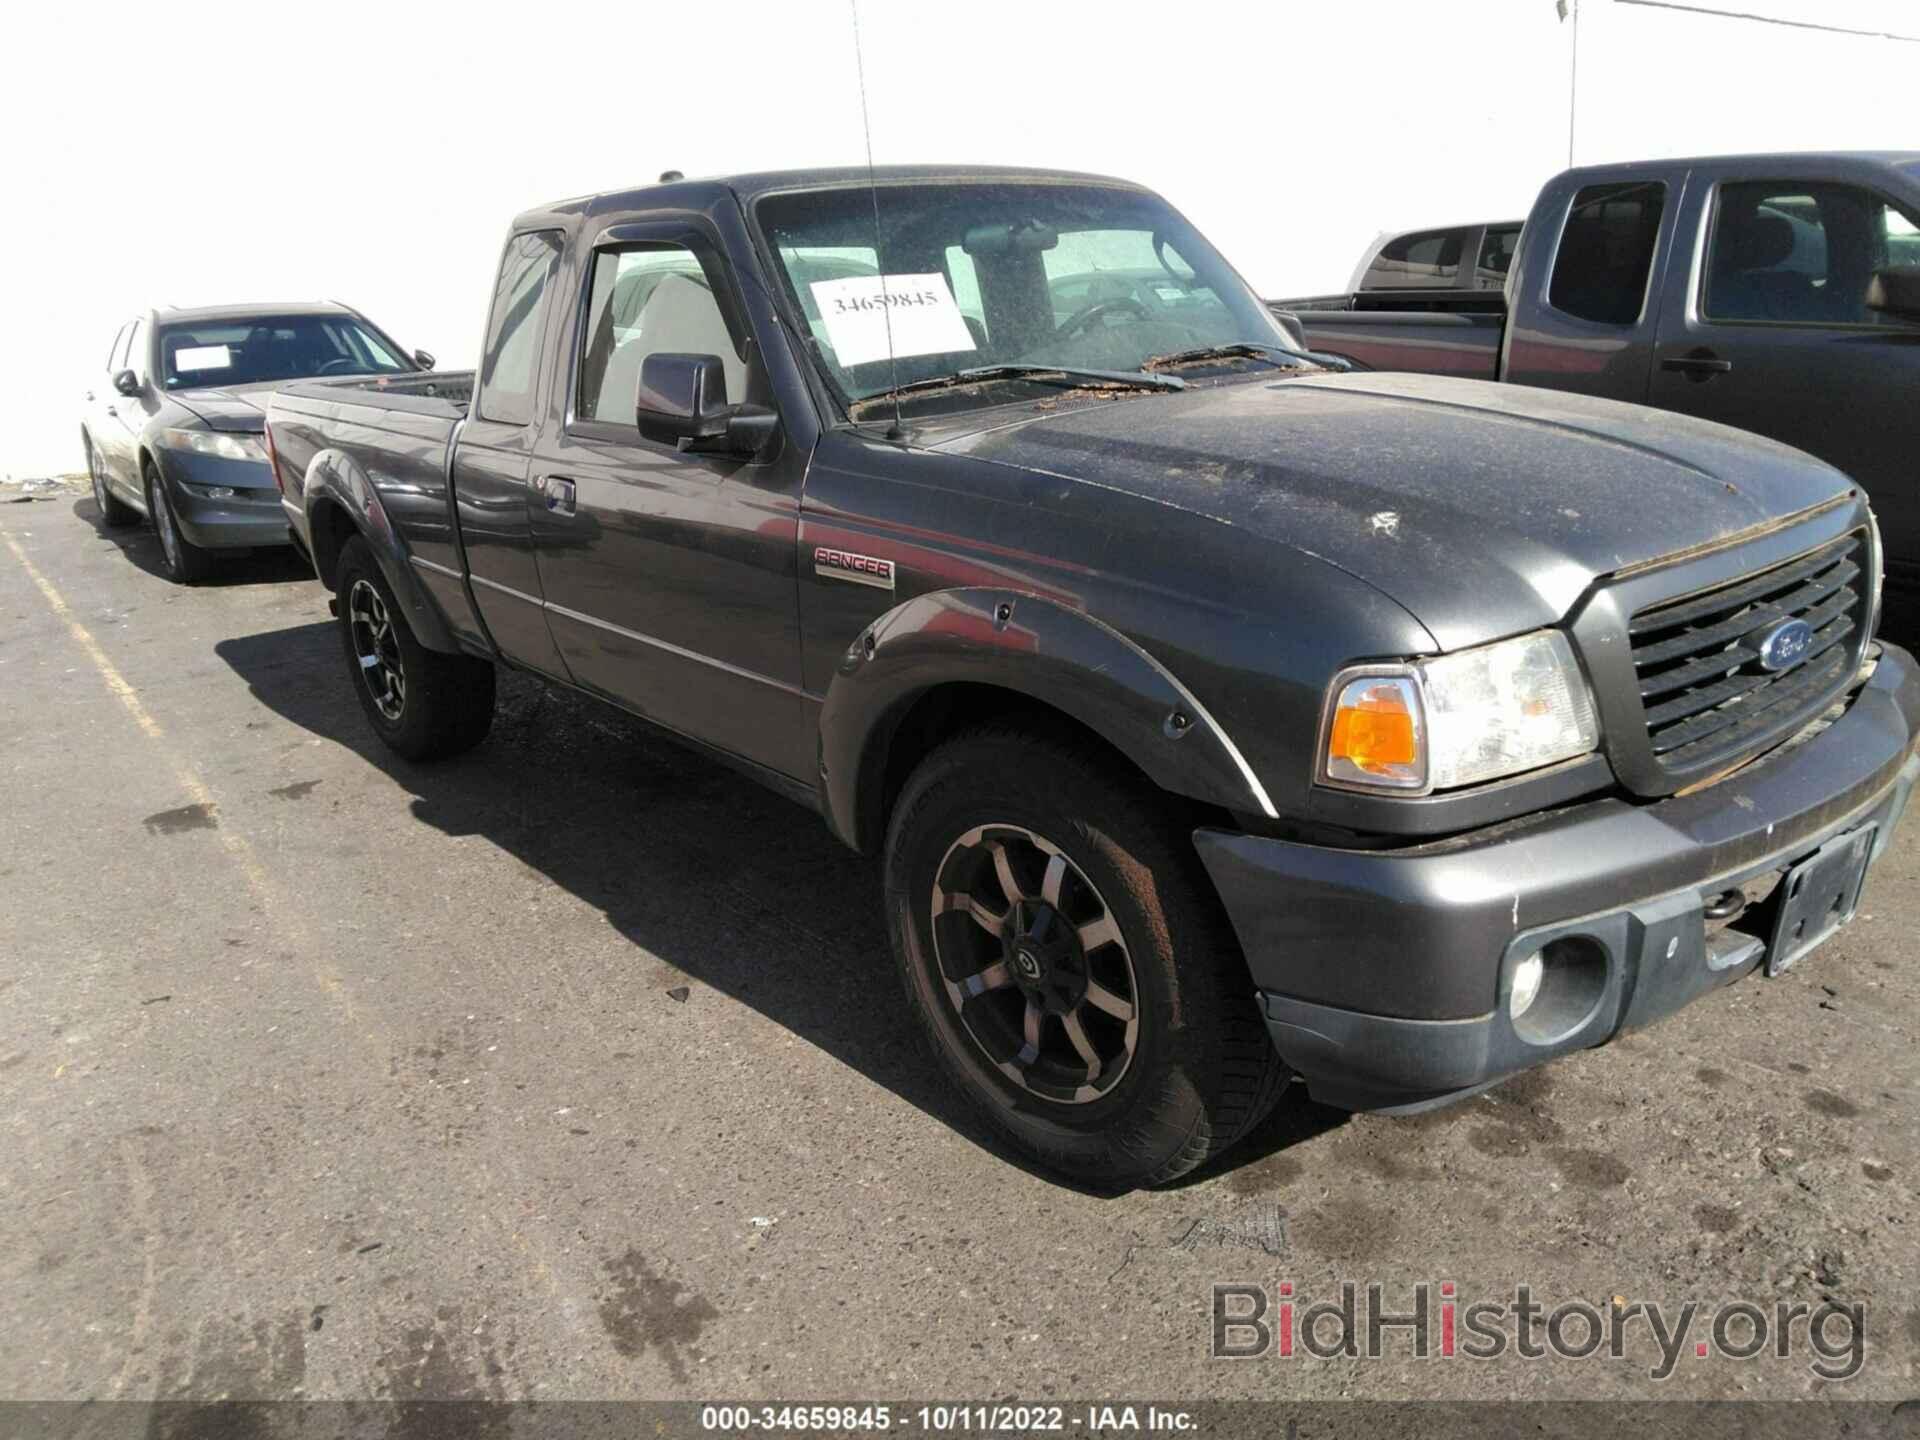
683, 401
1896, 291
423, 358
127, 383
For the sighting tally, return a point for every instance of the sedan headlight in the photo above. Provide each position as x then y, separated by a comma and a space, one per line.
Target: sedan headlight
224, 443
1458, 719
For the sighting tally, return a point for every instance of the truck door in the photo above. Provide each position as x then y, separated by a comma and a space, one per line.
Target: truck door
1768, 329
670, 577
1581, 316
492, 451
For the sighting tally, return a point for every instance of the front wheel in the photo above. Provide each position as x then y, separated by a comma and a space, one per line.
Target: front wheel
424, 704
186, 563
1070, 965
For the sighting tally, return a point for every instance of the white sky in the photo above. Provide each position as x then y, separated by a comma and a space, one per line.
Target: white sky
374, 153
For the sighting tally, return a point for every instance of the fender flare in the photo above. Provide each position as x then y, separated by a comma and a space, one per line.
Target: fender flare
333, 478
1030, 646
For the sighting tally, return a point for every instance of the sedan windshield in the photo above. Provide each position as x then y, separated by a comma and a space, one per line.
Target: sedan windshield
976, 276
259, 348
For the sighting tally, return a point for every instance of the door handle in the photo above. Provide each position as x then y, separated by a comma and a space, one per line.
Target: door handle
1697, 365
558, 494
112, 411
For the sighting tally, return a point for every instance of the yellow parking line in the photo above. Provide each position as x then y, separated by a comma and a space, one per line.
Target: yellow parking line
184, 774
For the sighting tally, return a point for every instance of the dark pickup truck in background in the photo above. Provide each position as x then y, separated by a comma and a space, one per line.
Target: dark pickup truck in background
1776, 293
1218, 718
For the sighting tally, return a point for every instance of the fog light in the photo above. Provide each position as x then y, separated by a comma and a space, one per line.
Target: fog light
220, 492
1527, 976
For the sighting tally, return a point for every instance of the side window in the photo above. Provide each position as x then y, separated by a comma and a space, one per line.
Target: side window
1427, 260
1496, 257
136, 357
117, 356
510, 365
1606, 252
1796, 253
647, 301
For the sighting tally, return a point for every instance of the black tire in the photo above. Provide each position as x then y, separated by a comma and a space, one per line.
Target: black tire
115, 513
1197, 1073
444, 703
184, 562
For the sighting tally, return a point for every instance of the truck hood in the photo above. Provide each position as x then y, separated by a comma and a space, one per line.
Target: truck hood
232, 407
1482, 509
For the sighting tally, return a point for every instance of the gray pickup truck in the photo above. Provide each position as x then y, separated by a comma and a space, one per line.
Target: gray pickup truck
1219, 719
1777, 293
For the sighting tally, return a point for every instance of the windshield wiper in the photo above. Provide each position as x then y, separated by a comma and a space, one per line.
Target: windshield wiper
1060, 374
1249, 349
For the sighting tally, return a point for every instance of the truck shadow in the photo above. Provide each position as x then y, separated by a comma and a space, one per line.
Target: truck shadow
266, 566
727, 883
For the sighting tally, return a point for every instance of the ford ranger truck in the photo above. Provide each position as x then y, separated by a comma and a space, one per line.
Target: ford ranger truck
1776, 293
1220, 720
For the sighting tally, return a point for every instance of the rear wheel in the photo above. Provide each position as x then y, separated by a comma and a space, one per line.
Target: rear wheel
1069, 962
115, 513
185, 562
426, 705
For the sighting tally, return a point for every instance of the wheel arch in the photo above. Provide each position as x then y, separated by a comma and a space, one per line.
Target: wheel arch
341, 503
944, 662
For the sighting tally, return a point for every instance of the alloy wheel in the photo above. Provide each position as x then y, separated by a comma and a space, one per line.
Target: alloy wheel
377, 648
1034, 965
163, 522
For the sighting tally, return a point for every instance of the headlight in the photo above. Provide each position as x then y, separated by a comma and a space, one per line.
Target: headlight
224, 443
1458, 719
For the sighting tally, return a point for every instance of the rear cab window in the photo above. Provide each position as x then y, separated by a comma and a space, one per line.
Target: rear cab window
1606, 252
510, 364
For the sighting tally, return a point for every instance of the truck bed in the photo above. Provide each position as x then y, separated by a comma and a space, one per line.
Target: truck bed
1431, 342
442, 393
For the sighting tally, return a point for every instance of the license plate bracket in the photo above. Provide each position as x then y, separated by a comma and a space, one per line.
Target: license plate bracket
1818, 896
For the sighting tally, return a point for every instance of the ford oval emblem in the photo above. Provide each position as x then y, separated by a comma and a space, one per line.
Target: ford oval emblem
1785, 645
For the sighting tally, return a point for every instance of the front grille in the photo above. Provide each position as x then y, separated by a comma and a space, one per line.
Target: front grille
1697, 658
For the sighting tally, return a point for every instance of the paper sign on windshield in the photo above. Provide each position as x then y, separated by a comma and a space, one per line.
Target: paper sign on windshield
919, 310
203, 357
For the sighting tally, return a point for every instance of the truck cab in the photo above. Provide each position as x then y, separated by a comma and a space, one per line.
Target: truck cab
1217, 719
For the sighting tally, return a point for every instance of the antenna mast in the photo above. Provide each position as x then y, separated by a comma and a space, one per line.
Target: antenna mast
895, 431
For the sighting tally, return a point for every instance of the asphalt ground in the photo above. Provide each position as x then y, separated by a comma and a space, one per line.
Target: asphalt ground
577, 1067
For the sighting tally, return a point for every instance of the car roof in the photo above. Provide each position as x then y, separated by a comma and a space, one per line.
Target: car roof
702, 192
1851, 159
170, 314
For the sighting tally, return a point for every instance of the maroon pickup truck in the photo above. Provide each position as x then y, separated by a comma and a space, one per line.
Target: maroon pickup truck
1776, 293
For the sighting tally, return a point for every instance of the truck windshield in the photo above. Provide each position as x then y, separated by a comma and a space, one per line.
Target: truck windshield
256, 348
973, 275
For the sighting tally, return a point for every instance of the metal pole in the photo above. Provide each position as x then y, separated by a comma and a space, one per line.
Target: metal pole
1573, 80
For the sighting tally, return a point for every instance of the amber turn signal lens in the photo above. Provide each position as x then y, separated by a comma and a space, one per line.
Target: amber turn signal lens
1375, 734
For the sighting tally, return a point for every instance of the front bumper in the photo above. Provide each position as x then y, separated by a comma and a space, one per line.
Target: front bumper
250, 516
1383, 974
